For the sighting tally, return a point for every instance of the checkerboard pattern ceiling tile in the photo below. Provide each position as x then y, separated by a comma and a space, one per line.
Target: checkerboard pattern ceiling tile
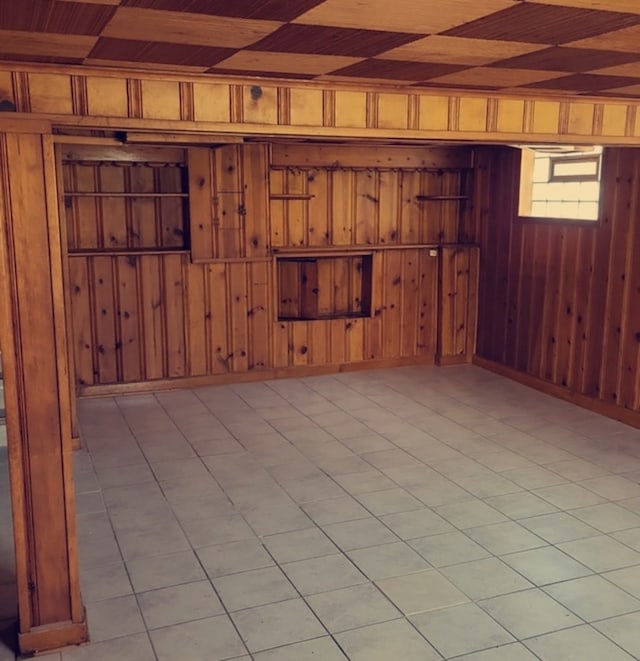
548, 47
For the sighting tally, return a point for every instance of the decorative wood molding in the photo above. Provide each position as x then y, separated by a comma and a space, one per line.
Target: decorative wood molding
97, 97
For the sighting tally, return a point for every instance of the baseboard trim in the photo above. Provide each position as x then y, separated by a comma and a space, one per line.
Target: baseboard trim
627, 416
246, 377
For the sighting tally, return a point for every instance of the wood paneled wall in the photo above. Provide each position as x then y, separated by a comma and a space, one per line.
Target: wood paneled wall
561, 301
163, 314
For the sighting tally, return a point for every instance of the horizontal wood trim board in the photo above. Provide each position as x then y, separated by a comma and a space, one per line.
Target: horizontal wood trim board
53, 637
626, 416
245, 377
97, 99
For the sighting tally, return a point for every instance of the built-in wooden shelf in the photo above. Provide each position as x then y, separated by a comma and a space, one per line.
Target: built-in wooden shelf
427, 198
292, 196
96, 194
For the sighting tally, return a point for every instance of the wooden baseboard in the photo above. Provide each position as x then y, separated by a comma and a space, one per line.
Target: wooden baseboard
245, 377
76, 443
445, 361
52, 637
627, 416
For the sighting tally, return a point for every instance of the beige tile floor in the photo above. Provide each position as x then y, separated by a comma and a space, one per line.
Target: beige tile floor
407, 514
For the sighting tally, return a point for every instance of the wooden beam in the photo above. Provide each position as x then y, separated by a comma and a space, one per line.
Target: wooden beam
34, 348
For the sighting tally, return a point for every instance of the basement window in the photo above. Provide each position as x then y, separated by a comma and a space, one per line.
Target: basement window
324, 287
560, 183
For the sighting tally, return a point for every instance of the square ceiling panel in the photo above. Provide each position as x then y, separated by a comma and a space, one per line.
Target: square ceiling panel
420, 16
489, 76
54, 16
459, 50
184, 28
284, 63
397, 70
156, 52
315, 39
630, 6
269, 10
627, 40
583, 82
569, 59
544, 24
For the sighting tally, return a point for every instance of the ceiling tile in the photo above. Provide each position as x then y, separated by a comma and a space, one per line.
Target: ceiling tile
629, 6
314, 39
271, 10
420, 16
627, 39
54, 16
491, 77
158, 53
281, 63
182, 28
45, 44
150, 66
632, 69
559, 58
459, 50
628, 90
544, 24
397, 69
583, 82
260, 74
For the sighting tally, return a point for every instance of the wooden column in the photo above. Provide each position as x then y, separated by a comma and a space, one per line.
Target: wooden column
34, 349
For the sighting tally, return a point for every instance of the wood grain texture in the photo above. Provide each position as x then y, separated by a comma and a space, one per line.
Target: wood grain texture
225, 306
37, 388
207, 103
560, 301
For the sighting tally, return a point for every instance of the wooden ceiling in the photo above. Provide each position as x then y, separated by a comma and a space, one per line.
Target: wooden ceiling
546, 47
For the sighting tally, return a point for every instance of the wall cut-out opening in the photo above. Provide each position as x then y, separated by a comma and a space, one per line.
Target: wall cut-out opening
560, 183
323, 287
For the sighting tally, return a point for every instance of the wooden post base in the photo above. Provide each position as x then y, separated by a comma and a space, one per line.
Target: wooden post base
46, 638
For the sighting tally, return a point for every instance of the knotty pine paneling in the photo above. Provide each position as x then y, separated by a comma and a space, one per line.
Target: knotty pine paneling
561, 301
215, 309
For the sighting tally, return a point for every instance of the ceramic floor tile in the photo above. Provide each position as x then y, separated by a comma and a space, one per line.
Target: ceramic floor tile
623, 631
358, 483
323, 574
254, 588
352, 608
164, 570
359, 534
299, 545
180, 603
486, 486
569, 496
113, 618
613, 487
529, 613
422, 592
389, 640
581, 643
486, 578
320, 649
470, 513
534, 478
513, 652
135, 647
335, 510
439, 491
275, 625
387, 560
213, 639
607, 517
559, 527
545, 565
233, 558
389, 501
216, 530
593, 598
105, 582
460, 630
601, 553
502, 538
417, 523
449, 548
521, 505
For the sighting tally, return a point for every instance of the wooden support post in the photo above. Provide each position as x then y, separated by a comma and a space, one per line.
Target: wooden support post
34, 348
